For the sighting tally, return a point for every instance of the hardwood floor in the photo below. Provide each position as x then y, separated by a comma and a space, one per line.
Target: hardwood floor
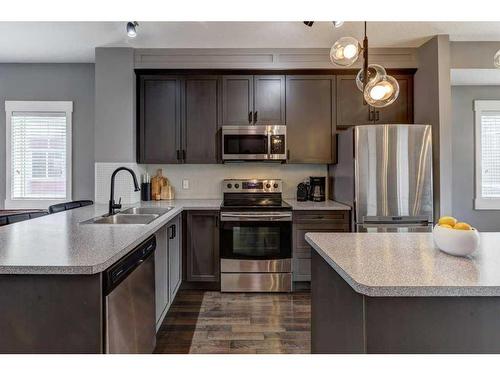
254, 323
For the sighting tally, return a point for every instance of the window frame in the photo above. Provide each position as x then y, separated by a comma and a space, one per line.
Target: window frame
480, 202
37, 106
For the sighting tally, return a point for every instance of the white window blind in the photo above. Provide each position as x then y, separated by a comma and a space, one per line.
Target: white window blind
39, 153
487, 154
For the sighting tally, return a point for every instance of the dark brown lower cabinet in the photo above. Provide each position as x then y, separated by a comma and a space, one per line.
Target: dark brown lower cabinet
313, 221
346, 322
201, 252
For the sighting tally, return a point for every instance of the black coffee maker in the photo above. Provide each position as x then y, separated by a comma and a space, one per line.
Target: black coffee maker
317, 189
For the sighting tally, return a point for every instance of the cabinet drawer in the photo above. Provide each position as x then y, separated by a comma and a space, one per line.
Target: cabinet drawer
300, 231
322, 217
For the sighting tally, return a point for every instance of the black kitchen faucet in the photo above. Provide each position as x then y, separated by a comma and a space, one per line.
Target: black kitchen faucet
112, 205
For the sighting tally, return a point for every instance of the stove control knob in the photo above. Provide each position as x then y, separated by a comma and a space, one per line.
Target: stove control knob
236, 186
229, 186
275, 186
268, 186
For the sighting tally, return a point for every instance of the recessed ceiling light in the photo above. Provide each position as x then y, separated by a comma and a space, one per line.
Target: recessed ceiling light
132, 29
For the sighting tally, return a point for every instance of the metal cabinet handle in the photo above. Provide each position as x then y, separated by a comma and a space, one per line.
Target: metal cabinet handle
370, 115
250, 117
377, 115
178, 155
173, 232
255, 116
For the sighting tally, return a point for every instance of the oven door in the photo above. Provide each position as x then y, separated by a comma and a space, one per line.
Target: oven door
256, 239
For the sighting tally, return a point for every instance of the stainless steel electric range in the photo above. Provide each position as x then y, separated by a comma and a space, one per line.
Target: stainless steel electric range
255, 237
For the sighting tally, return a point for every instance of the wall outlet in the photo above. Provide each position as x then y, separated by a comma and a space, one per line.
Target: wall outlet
185, 184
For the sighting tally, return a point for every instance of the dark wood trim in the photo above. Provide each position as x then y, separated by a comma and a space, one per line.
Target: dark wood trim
263, 71
200, 285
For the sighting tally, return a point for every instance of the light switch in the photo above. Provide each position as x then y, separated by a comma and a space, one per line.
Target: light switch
185, 184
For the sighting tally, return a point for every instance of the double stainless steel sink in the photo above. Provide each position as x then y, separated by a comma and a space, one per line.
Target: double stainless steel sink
134, 215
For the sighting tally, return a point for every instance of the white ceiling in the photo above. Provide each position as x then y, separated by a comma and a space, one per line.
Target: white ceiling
75, 41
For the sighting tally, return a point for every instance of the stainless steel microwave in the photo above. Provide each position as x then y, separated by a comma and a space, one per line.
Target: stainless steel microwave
253, 143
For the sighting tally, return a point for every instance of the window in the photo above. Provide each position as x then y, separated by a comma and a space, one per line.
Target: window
487, 113
38, 153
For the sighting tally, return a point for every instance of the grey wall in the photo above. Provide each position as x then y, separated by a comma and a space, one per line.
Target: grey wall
73, 82
463, 156
432, 106
114, 105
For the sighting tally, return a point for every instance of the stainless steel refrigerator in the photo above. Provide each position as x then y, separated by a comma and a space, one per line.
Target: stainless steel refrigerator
385, 173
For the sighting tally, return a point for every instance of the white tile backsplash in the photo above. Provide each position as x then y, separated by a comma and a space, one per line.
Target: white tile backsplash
124, 186
205, 179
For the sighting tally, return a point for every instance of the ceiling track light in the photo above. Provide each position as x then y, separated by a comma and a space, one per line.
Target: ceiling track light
379, 89
132, 29
336, 24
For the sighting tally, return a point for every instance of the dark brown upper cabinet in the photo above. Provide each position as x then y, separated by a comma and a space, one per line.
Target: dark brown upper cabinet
159, 119
350, 107
253, 100
310, 109
237, 100
269, 100
401, 111
178, 119
352, 111
202, 246
200, 119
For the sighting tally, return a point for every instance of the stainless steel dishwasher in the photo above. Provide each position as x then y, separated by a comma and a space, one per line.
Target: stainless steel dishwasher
129, 289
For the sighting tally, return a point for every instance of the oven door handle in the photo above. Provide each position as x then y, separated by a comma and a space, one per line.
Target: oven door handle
247, 217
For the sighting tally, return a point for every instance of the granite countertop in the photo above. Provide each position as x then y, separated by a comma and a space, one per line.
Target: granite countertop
309, 205
408, 264
59, 244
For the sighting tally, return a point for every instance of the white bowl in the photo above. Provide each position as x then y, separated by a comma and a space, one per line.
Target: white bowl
456, 241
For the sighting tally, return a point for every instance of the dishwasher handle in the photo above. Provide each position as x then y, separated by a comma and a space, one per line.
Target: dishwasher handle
125, 266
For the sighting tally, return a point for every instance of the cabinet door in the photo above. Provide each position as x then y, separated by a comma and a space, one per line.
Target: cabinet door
309, 119
200, 119
313, 221
401, 111
202, 246
269, 100
237, 100
161, 275
350, 107
159, 119
174, 232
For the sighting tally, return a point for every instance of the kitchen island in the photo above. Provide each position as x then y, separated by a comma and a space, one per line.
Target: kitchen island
397, 293
52, 275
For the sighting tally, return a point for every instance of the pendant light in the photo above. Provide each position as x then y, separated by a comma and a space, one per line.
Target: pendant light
379, 89
345, 51
375, 72
496, 59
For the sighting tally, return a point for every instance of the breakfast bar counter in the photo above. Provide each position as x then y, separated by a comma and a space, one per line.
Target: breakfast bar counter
398, 293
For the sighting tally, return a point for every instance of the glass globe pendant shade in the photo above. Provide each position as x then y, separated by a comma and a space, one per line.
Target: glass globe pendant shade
345, 51
496, 59
375, 72
382, 92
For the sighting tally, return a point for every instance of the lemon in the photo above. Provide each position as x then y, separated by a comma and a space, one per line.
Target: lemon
448, 220
462, 226
446, 226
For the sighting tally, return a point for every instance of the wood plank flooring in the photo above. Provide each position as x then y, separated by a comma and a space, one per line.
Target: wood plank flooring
253, 323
